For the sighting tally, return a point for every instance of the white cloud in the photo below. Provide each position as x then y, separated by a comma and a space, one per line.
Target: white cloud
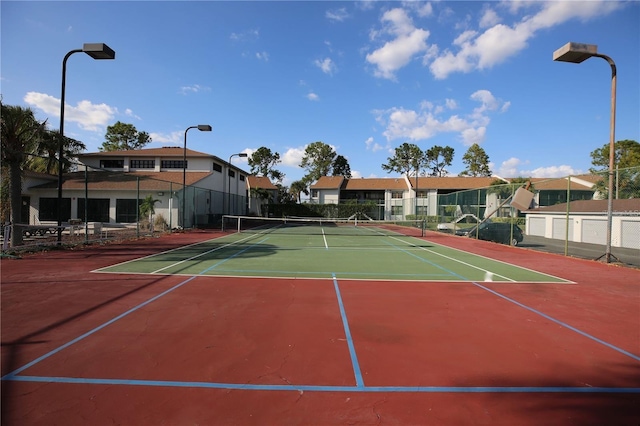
552, 172
365, 4
173, 138
473, 135
263, 56
247, 35
473, 51
373, 146
337, 15
313, 97
408, 42
513, 167
451, 104
195, 88
426, 123
129, 113
509, 168
88, 116
293, 156
489, 18
326, 65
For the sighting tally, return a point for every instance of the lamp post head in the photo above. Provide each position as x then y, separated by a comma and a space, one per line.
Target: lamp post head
243, 155
204, 127
575, 52
99, 51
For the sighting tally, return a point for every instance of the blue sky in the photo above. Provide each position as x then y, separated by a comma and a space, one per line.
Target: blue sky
363, 77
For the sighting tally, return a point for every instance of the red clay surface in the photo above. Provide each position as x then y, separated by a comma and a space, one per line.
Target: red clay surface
290, 332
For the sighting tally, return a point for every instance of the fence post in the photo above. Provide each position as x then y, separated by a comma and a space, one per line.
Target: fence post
137, 207
566, 231
86, 205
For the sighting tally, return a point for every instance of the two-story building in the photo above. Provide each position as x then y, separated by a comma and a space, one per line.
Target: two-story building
450, 196
108, 187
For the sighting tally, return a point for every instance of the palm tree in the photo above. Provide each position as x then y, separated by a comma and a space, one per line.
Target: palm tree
20, 135
148, 207
45, 159
263, 195
298, 187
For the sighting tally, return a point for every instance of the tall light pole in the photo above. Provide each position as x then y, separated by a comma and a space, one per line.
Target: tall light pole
96, 51
577, 53
202, 128
240, 154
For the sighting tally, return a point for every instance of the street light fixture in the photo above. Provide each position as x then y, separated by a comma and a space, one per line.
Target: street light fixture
242, 155
96, 51
202, 128
577, 53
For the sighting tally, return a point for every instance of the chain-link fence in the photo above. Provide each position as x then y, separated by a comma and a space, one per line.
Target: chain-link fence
569, 215
97, 204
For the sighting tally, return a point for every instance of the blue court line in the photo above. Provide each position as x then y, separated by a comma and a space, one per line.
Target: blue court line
12, 375
231, 257
313, 388
422, 259
347, 332
563, 324
535, 311
89, 333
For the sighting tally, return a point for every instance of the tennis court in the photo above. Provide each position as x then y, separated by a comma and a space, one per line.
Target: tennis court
310, 249
318, 324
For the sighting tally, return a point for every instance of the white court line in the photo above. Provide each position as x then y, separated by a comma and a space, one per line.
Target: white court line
563, 280
486, 271
324, 237
202, 254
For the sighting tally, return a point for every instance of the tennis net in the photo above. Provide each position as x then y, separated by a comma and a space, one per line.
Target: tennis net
323, 226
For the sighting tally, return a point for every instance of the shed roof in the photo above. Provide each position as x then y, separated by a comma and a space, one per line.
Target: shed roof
630, 206
451, 182
163, 181
260, 182
375, 184
328, 182
168, 151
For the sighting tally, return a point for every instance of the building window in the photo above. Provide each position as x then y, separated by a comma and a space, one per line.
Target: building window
97, 210
126, 210
422, 194
374, 195
396, 210
314, 193
422, 210
396, 194
49, 209
217, 167
242, 178
173, 164
143, 164
232, 173
112, 164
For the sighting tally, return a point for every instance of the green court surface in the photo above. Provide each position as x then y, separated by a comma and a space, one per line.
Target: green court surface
364, 255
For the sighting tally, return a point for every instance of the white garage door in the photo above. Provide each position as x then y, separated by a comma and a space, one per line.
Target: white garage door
594, 231
630, 234
560, 227
536, 226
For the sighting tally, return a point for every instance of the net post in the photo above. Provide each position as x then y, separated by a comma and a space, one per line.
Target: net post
238, 224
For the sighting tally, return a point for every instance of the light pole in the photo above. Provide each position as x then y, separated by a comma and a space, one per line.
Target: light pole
202, 128
577, 53
240, 154
96, 51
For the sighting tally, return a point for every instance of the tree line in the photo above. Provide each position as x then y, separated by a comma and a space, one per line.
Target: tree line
27, 144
